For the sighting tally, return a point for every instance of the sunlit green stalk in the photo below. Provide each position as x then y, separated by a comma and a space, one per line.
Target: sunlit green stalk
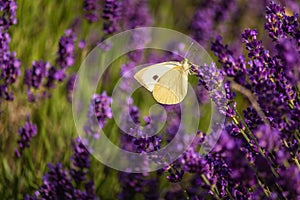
270, 163
186, 195
213, 188
297, 162
229, 193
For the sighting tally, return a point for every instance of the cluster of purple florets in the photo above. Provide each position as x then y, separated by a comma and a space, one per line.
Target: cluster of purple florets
91, 10
27, 132
9, 64
253, 148
72, 183
42, 77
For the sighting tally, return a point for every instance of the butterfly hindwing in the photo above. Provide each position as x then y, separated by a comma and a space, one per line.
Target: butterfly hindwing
171, 88
149, 76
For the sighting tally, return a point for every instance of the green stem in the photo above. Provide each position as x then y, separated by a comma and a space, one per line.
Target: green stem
229, 193
256, 143
243, 132
184, 191
297, 162
266, 190
250, 133
297, 136
270, 163
213, 188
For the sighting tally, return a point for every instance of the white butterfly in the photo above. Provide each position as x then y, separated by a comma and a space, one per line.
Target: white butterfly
168, 81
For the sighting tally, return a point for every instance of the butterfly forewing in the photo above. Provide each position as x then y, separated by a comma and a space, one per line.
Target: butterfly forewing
149, 76
171, 88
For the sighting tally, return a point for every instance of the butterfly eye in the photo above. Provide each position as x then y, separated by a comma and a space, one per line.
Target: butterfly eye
155, 77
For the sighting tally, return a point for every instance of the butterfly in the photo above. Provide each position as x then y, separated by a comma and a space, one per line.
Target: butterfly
168, 81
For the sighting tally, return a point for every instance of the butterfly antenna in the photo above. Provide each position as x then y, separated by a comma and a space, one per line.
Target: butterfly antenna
188, 49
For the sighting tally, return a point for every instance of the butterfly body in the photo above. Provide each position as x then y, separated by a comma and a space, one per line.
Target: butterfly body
168, 81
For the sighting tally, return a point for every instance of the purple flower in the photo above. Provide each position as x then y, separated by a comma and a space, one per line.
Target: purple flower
27, 132
91, 10
261, 62
9, 66
289, 55
270, 79
202, 25
112, 14
151, 189
147, 144
232, 67
262, 65
175, 174
202, 94
35, 76
4, 42
101, 108
191, 161
66, 50
267, 78
279, 24
56, 184
82, 44
208, 18
268, 138
229, 93
136, 14
275, 14
8, 16
127, 70
70, 86
252, 118
264, 73
89, 192
54, 75
132, 183
127, 73
212, 79
80, 161
290, 182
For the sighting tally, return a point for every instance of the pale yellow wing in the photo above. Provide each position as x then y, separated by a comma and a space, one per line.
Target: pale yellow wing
149, 76
172, 87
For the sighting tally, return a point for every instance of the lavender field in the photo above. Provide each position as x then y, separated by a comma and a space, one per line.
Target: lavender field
243, 144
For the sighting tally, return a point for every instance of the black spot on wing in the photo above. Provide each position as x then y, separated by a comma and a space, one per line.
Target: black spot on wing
155, 77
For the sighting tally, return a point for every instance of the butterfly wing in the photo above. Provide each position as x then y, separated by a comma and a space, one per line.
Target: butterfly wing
171, 88
149, 76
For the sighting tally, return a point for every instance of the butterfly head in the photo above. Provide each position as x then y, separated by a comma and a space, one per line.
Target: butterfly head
186, 64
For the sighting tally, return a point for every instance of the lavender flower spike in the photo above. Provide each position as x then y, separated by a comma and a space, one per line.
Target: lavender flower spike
112, 14
279, 24
8, 10
91, 10
34, 77
101, 108
9, 66
70, 86
66, 50
80, 161
27, 132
